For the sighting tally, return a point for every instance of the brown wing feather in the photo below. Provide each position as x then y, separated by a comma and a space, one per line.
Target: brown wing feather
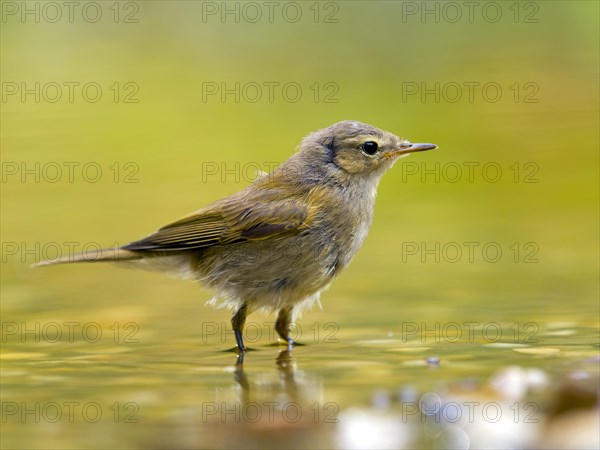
229, 221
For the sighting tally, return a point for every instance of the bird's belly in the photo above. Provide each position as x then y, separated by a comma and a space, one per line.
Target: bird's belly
274, 273
277, 272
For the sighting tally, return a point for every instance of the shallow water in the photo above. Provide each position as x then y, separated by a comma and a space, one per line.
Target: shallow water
469, 319
158, 372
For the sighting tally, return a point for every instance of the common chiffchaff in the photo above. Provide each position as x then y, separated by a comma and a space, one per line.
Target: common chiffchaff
278, 243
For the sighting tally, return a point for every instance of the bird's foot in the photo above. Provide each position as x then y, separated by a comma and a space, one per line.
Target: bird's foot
290, 343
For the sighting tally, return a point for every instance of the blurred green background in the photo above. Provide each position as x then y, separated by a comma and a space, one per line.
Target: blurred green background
157, 134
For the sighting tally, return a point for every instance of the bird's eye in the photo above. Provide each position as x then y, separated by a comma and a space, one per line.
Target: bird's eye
370, 147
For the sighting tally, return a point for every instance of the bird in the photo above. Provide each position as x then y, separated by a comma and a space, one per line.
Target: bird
277, 244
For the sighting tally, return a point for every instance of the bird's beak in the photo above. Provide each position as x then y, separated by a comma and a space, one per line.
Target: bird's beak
412, 148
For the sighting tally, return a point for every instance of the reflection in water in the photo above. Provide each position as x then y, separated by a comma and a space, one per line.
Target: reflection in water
504, 412
267, 408
286, 367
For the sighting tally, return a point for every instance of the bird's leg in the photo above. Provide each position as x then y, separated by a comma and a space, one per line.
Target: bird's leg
237, 323
282, 325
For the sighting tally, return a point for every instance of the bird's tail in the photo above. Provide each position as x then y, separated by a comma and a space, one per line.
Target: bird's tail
101, 255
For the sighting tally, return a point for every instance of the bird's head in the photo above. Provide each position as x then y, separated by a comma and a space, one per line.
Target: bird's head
352, 149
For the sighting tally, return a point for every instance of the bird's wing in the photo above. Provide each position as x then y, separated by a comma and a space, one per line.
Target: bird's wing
229, 221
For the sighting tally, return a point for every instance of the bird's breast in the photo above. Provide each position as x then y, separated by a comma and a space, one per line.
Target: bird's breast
345, 224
